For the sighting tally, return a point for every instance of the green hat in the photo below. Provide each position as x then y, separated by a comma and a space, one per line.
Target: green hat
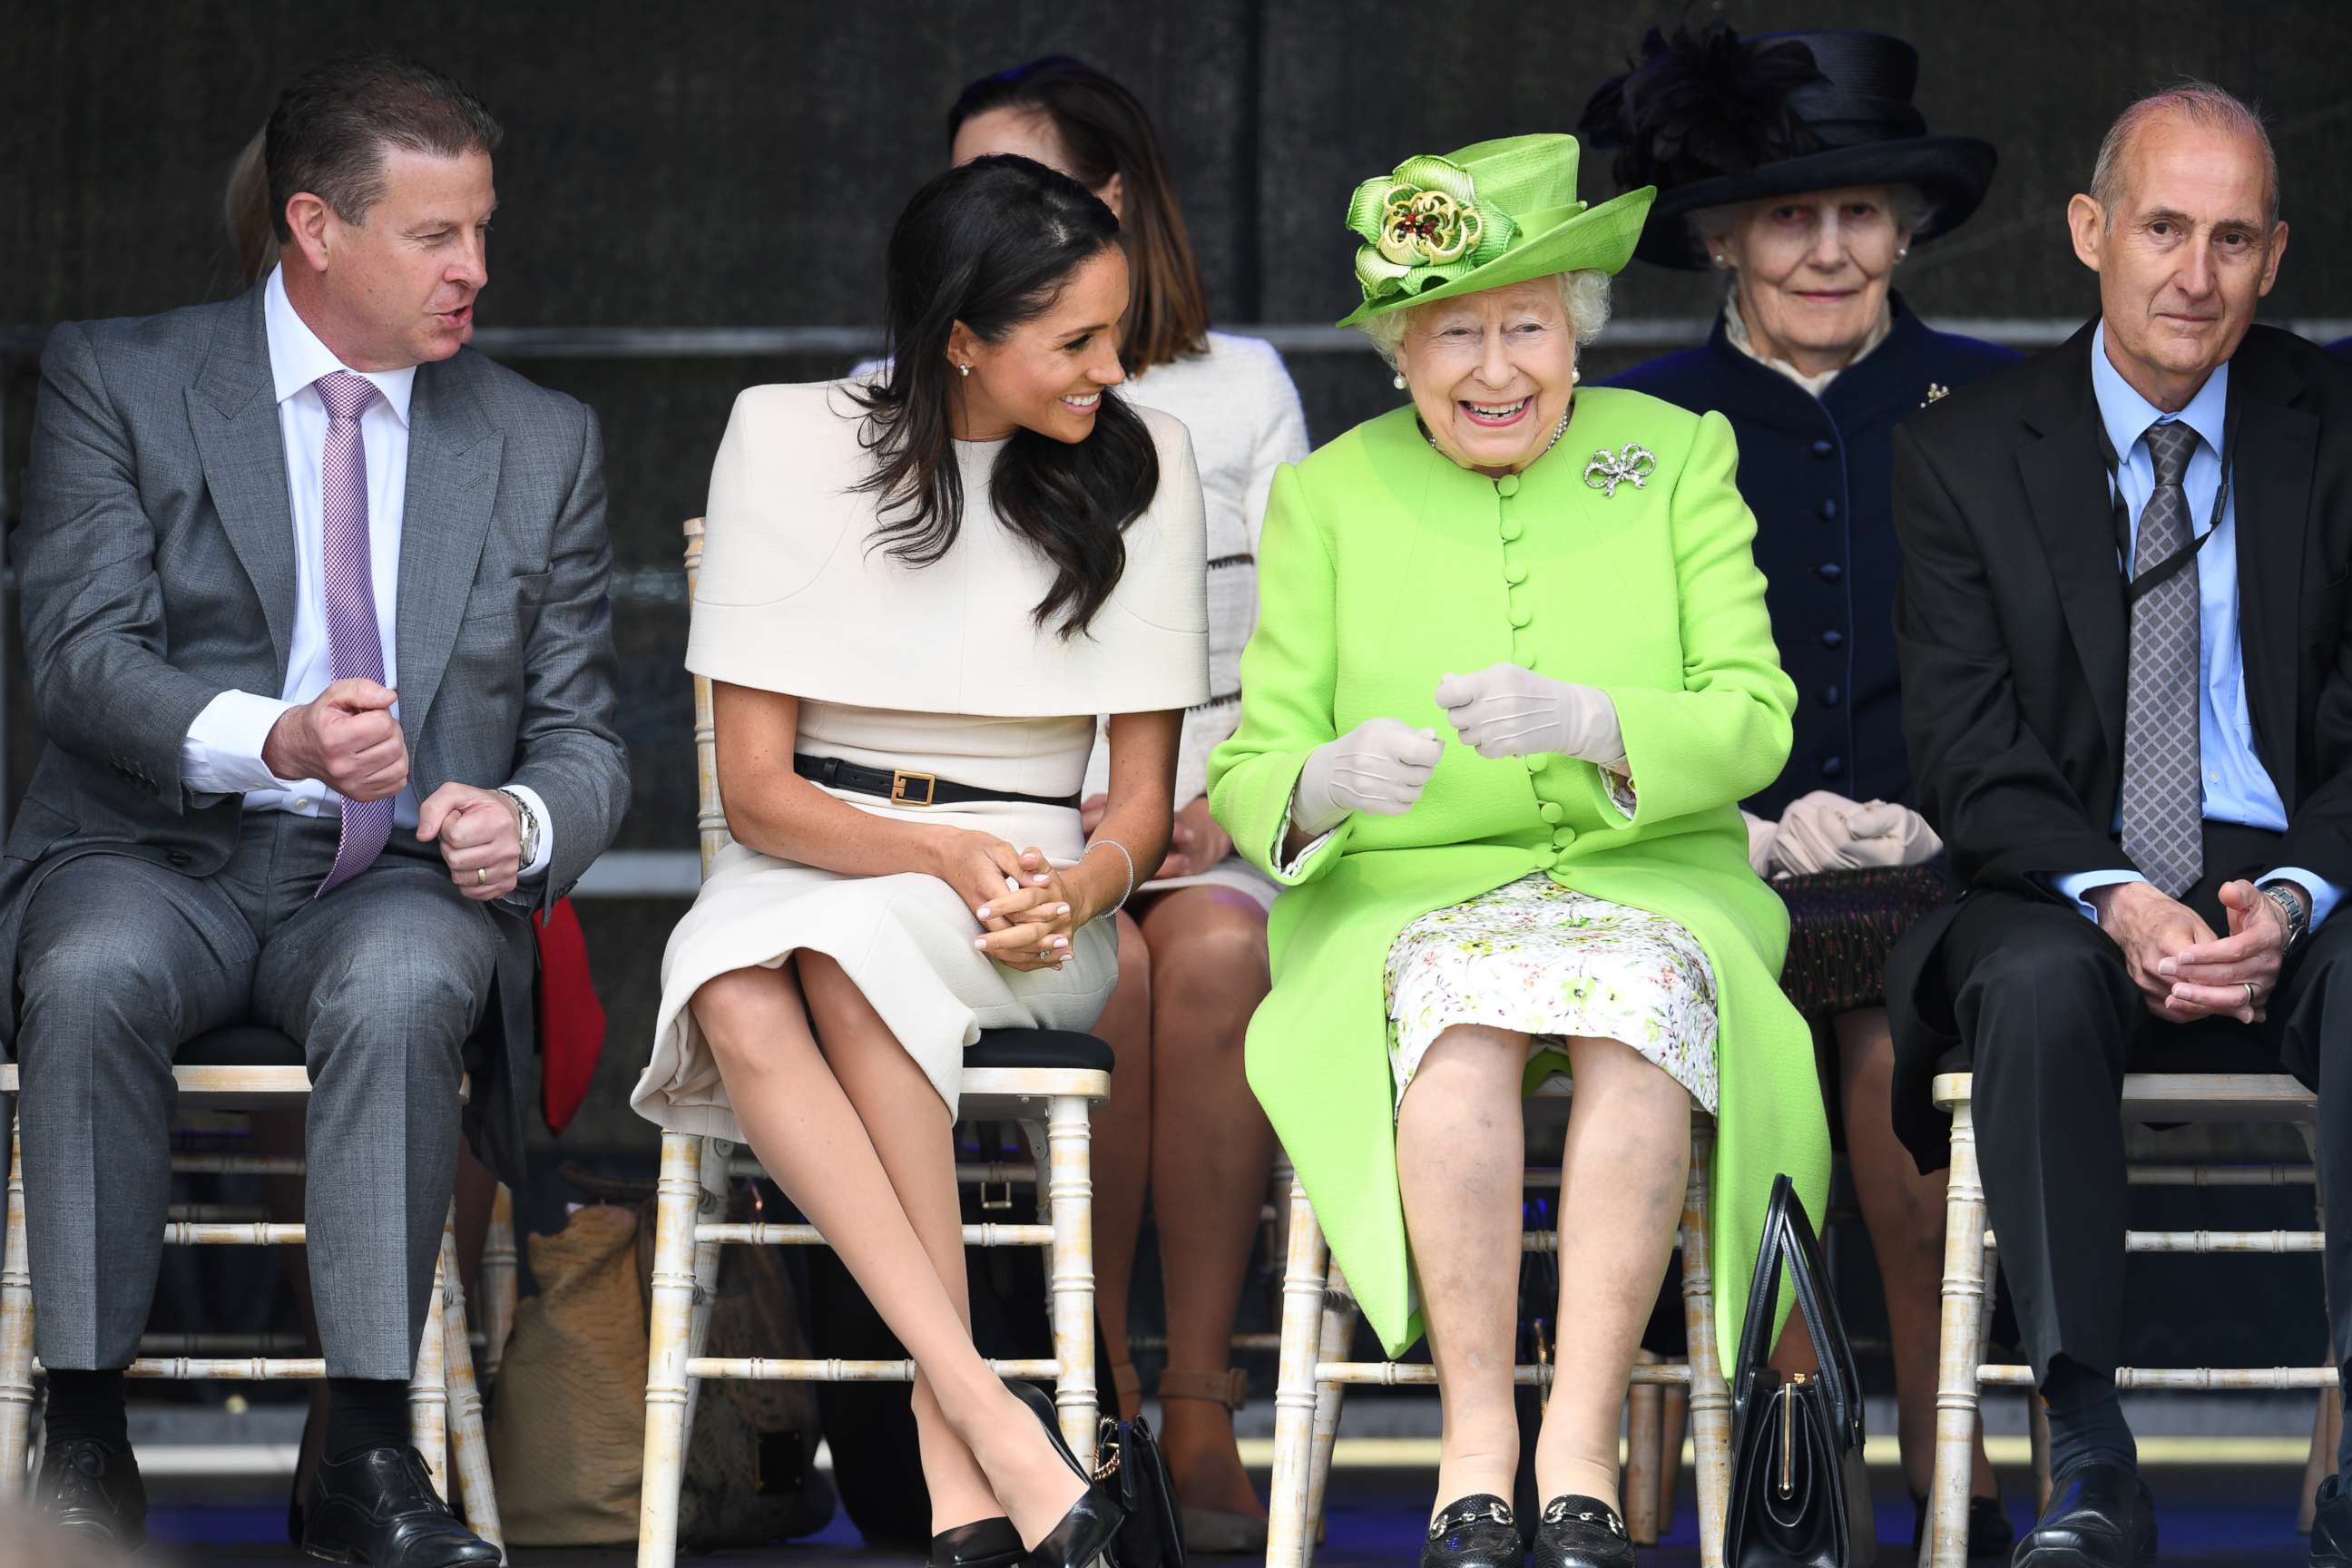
1492, 213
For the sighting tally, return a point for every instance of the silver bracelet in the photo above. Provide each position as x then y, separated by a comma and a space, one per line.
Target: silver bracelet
1130, 869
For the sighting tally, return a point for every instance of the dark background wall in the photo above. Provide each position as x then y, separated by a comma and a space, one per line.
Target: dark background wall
739, 163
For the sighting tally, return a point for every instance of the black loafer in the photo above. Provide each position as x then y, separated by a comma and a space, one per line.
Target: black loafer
379, 1507
1477, 1531
2331, 1525
1990, 1533
88, 1489
2100, 1516
1580, 1532
1086, 1532
983, 1543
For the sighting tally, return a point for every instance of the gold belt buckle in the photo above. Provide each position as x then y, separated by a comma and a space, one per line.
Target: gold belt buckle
899, 780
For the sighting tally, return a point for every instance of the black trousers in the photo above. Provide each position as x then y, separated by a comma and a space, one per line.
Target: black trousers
2047, 1015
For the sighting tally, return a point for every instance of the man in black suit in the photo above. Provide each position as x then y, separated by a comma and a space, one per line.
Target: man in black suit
2127, 695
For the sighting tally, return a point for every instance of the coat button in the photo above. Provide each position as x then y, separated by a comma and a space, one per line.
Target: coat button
1508, 486
1514, 575
180, 857
1830, 695
1823, 449
1553, 811
1829, 570
1832, 639
1519, 619
1829, 510
1566, 836
1546, 858
1539, 761
1511, 529
1832, 766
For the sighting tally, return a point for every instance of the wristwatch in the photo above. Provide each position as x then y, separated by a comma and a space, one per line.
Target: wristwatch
2289, 900
529, 831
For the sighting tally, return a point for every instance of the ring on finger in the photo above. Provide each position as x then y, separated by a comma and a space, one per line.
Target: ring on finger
482, 875
2253, 995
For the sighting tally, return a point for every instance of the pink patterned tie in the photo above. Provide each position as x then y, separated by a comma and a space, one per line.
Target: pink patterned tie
353, 645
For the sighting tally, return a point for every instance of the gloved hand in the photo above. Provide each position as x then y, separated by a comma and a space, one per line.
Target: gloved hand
1760, 835
1379, 767
1504, 711
1825, 831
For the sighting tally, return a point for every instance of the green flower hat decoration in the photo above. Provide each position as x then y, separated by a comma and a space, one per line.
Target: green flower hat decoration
1492, 213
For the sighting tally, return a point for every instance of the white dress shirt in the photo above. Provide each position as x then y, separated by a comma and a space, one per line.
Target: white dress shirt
222, 753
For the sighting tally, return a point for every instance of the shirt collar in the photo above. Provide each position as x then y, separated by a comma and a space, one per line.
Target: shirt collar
297, 357
2127, 415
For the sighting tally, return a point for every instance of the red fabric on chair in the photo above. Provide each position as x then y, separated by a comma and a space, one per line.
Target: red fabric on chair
570, 1020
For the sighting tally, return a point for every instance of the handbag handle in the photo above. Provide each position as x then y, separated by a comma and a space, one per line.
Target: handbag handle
1788, 1241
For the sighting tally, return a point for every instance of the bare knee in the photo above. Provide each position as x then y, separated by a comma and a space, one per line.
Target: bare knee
1210, 949
739, 1012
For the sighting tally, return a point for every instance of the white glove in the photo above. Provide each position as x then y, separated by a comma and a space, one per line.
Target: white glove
1825, 831
1504, 711
1761, 834
1379, 767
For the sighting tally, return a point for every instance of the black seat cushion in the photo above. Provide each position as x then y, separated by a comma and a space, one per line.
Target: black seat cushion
1038, 1048
239, 1046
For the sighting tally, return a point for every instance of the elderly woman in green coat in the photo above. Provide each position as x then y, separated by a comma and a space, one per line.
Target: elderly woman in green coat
1511, 677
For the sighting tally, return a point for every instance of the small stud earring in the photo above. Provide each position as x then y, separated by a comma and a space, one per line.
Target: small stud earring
964, 369
1901, 251
1719, 260
1574, 376
1397, 381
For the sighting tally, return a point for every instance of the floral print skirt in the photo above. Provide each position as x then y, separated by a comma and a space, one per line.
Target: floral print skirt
1536, 958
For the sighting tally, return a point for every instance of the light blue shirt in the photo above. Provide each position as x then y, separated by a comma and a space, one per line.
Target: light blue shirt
2237, 787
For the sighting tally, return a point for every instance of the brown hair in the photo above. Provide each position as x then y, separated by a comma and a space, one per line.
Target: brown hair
245, 208
329, 131
1104, 131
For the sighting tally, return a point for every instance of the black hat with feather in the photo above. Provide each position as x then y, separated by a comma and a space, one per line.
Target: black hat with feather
1713, 119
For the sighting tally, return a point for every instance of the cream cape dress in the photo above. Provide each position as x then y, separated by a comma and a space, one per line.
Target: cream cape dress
937, 669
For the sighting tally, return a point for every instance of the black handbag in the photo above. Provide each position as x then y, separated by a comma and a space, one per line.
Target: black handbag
1800, 1495
1127, 1465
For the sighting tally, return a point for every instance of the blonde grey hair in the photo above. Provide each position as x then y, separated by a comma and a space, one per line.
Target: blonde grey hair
2213, 108
1913, 212
1583, 296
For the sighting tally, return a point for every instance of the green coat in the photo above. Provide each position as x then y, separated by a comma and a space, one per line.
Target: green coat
1384, 566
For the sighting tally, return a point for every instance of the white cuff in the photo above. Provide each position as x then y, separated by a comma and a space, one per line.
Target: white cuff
546, 831
221, 753
2081, 882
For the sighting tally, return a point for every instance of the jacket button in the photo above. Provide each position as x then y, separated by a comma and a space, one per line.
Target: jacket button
1519, 619
1539, 761
1566, 836
1508, 486
181, 858
1514, 575
1832, 639
1829, 570
1823, 449
1832, 766
1553, 811
1546, 858
1829, 510
1511, 529
1830, 695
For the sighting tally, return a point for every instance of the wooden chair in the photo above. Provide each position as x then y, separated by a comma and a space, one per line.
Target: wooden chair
1045, 1079
1318, 1321
246, 1066
1970, 1249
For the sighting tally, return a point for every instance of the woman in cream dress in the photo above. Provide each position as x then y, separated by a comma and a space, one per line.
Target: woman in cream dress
917, 593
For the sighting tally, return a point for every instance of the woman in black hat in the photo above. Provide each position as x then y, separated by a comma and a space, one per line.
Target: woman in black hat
1795, 164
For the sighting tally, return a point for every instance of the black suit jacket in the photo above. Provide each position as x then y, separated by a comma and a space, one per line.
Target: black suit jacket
2012, 636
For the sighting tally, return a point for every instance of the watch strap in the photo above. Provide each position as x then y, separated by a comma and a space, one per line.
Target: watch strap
2291, 905
530, 820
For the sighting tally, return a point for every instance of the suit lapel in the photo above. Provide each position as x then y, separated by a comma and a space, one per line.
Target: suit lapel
2066, 483
454, 457
2277, 444
233, 416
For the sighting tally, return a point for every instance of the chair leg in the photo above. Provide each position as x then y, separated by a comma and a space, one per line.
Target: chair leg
1959, 1349
1290, 1539
498, 1283
710, 1203
1673, 1422
467, 1437
16, 1330
428, 1385
1070, 1281
1338, 1328
1710, 1400
669, 1332
1644, 1407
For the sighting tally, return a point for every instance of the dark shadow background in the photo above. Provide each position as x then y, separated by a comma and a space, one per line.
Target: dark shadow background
738, 164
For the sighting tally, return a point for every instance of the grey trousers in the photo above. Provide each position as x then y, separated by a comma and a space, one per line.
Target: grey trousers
121, 960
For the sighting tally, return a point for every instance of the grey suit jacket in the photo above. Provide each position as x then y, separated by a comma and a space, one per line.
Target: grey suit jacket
156, 565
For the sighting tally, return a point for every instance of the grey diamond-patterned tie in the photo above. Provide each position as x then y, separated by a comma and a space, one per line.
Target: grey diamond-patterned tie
2163, 804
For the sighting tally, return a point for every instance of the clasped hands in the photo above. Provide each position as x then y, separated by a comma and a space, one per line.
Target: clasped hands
347, 739
1381, 765
1026, 914
2183, 970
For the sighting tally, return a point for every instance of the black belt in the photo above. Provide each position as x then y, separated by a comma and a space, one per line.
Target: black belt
900, 787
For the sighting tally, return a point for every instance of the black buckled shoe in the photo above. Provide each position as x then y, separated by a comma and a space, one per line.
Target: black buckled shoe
1085, 1531
2100, 1516
379, 1507
983, 1543
2331, 1525
1477, 1531
1582, 1532
91, 1490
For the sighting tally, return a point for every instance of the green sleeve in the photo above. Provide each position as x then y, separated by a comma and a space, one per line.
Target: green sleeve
1727, 733
1287, 674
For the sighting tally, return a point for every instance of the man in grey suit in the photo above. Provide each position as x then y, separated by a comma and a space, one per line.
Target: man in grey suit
315, 608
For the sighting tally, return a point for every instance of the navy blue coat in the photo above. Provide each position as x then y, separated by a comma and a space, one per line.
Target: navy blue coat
2341, 346
1817, 473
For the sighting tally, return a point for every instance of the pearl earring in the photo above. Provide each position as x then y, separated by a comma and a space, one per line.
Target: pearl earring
1397, 381
964, 369
1901, 251
1574, 376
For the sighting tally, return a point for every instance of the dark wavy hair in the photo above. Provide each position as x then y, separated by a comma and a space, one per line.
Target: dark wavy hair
993, 244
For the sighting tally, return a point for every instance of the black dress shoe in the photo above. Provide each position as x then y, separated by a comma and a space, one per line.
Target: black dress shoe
1990, 1533
2100, 1516
1582, 1532
2331, 1525
1477, 1531
379, 1507
1087, 1530
983, 1543
91, 1490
